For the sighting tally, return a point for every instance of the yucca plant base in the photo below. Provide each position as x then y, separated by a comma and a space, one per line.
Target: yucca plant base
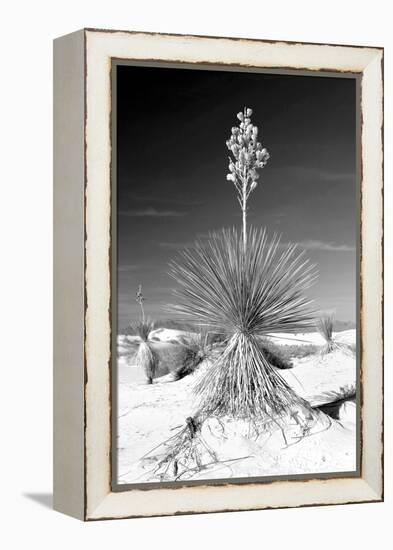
145, 356
242, 383
147, 359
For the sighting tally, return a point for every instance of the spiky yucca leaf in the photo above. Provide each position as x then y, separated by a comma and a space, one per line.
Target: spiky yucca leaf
244, 294
325, 327
258, 291
242, 383
147, 358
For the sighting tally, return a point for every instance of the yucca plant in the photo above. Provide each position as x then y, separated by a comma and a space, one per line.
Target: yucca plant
246, 287
245, 294
325, 327
145, 357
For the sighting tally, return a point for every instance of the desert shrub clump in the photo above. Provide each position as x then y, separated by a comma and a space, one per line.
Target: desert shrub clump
294, 351
197, 348
276, 355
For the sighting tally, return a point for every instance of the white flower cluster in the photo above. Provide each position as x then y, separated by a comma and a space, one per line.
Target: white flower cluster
248, 154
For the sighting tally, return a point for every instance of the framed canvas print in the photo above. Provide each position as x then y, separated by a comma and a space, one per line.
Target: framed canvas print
218, 274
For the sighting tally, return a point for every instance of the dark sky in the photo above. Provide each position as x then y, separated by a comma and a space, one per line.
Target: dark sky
172, 162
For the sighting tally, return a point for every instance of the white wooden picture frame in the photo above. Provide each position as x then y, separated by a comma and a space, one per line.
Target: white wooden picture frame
83, 205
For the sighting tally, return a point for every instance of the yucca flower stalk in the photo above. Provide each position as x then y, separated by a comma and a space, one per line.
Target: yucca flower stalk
139, 298
248, 156
244, 294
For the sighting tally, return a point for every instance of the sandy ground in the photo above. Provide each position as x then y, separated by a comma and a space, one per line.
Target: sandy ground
150, 414
301, 338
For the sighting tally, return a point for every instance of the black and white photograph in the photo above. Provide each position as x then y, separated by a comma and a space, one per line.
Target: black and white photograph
197, 277
236, 243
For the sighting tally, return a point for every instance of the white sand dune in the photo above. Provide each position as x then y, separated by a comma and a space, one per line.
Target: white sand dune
168, 334
279, 338
313, 338
322, 379
150, 414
